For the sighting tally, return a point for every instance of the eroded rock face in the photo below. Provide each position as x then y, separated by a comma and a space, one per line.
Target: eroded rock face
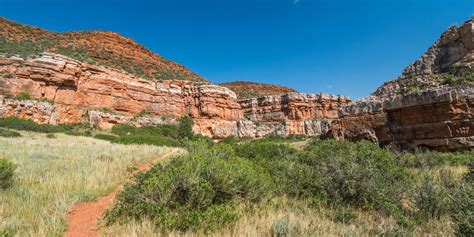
292, 113
75, 88
441, 119
439, 116
452, 53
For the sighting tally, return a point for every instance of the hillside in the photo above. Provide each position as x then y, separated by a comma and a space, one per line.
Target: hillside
245, 90
448, 62
94, 47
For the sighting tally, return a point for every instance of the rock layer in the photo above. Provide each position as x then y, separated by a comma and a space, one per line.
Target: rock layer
75, 88
293, 113
68, 91
441, 119
439, 116
451, 54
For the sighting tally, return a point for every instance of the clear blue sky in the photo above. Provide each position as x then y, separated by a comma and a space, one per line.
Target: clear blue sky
344, 47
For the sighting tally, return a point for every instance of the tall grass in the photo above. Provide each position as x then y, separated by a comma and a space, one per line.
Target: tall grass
54, 174
295, 217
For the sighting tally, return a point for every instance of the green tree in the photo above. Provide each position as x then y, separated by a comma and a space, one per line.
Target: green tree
185, 127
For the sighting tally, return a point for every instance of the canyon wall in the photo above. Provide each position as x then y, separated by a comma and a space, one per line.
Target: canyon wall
73, 92
64, 90
441, 119
292, 113
431, 105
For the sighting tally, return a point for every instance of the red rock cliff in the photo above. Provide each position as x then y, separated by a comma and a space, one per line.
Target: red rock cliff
292, 113
75, 89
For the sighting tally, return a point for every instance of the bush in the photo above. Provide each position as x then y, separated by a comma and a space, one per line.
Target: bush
23, 96
283, 227
358, 174
463, 205
162, 130
156, 140
30, 125
51, 136
282, 162
193, 191
429, 159
185, 127
431, 197
9, 133
105, 137
7, 170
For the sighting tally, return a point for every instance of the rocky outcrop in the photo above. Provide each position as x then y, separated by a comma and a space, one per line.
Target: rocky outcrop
422, 108
64, 90
94, 47
75, 88
452, 54
441, 119
292, 113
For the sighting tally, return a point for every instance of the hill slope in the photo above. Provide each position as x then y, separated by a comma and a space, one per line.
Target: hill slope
94, 47
245, 90
448, 62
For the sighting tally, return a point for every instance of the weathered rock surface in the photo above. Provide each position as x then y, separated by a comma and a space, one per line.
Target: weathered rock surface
441, 119
75, 88
452, 53
76, 92
98, 47
293, 113
439, 116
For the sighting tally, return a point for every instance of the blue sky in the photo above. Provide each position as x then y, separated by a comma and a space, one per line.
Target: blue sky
347, 47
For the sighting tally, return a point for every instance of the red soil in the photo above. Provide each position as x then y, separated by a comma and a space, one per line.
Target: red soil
82, 219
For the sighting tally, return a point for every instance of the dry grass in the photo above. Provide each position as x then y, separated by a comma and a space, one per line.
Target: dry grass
54, 174
298, 220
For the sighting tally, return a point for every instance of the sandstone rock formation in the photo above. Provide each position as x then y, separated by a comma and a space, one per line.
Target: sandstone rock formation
94, 47
74, 89
292, 113
451, 55
441, 119
69, 91
431, 105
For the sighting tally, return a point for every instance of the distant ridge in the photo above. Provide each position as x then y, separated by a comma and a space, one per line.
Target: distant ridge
245, 90
94, 47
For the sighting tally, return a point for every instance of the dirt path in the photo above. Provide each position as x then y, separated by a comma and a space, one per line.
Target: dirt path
82, 219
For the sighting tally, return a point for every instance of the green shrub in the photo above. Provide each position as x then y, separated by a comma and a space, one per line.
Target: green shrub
156, 140
185, 127
193, 191
23, 96
344, 215
51, 136
463, 205
288, 138
162, 130
105, 137
7, 170
291, 176
431, 197
429, 159
9, 133
30, 125
283, 227
230, 140
358, 174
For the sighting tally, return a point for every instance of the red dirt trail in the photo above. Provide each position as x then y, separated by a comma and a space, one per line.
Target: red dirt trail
82, 219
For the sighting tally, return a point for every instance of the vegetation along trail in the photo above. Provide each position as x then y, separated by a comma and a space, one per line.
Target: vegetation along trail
83, 218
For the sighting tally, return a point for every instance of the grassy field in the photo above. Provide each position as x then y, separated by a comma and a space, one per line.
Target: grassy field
55, 173
238, 187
